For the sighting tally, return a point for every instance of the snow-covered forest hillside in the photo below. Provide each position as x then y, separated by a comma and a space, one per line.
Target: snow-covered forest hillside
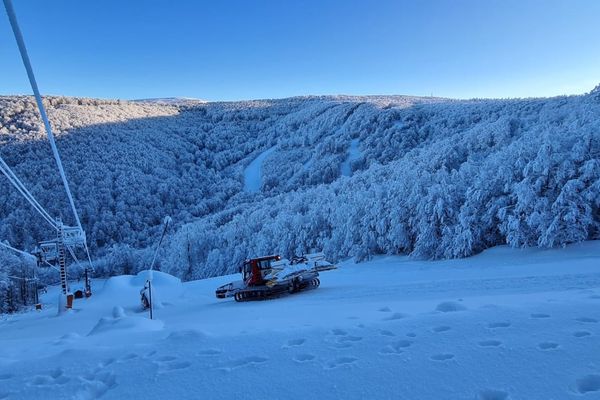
352, 176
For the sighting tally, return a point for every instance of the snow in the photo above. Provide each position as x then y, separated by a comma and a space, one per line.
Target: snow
436, 178
505, 324
120, 321
353, 154
253, 174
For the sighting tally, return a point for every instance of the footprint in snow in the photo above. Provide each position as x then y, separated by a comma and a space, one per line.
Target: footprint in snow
490, 343
489, 306
395, 316
396, 347
209, 352
540, 315
96, 384
338, 332
411, 334
243, 362
342, 340
495, 325
345, 339
385, 332
587, 320
54, 377
166, 358
58, 376
580, 334
4, 377
41, 380
385, 309
341, 362
442, 357
450, 306
493, 394
168, 363
172, 366
302, 358
439, 329
295, 342
129, 357
589, 383
548, 346
342, 345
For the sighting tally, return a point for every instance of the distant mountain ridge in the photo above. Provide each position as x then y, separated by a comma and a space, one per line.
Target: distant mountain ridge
171, 100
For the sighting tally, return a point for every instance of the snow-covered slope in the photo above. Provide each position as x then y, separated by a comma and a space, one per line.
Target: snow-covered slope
350, 176
253, 172
505, 324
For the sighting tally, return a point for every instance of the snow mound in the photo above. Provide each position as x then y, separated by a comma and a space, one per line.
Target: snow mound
164, 286
117, 285
159, 279
122, 322
124, 282
125, 289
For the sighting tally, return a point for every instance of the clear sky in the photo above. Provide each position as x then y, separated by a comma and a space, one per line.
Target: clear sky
229, 50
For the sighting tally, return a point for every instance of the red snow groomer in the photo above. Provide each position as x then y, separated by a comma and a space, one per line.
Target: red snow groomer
270, 276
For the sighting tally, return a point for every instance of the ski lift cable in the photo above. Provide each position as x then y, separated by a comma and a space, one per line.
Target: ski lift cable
12, 178
87, 253
21, 278
166, 222
31, 200
17, 250
19, 184
70, 249
38, 98
51, 266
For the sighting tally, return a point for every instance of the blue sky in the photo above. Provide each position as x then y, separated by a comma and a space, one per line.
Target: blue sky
229, 50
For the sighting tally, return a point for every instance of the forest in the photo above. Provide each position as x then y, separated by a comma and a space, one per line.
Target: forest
351, 176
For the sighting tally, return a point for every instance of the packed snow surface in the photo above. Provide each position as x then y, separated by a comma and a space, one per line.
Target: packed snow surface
253, 172
353, 155
506, 324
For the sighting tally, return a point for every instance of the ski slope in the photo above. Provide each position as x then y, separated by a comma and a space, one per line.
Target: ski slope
253, 172
353, 154
505, 324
